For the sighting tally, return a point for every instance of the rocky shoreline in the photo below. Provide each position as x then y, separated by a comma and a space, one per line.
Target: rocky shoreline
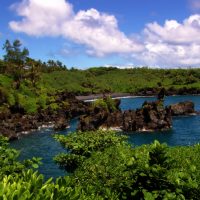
152, 116
149, 92
15, 124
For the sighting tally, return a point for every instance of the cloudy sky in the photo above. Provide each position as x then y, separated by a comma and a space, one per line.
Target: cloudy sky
85, 33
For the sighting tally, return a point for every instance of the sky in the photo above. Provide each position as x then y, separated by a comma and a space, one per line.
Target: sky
87, 33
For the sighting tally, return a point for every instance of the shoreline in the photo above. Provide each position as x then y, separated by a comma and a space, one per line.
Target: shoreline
93, 97
98, 96
10, 128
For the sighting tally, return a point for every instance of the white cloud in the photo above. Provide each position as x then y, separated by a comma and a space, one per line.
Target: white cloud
99, 32
41, 17
174, 32
173, 43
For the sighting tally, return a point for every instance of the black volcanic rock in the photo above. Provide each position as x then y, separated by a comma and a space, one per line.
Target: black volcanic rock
14, 123
61, 124
152, 116
182, 108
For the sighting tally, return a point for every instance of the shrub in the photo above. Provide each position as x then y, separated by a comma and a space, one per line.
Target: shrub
42, 101
11, 99
18, 181
100, 103
27, 103
9, 163
54, 106
112, 168
82, 144
110, 104
106, 103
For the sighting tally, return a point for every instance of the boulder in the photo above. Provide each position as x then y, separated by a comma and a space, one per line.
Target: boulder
61, 124
114, 119
92, 121
129, 120
182, 108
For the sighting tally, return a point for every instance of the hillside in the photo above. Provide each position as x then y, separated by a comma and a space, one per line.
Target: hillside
28, 85
98, 80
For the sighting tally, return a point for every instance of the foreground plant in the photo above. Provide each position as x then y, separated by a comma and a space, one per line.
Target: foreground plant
115, 169
19, 180
109, 169
82, 144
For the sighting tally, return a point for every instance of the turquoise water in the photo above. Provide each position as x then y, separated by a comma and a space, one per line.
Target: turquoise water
186, 131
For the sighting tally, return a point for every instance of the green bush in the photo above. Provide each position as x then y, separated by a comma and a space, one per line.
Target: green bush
19, 182
5, 81
42, 101
82, 144
100, 103
29, 104
11, 99
54, 106
110, 104
112, 168
9, 163
106, 103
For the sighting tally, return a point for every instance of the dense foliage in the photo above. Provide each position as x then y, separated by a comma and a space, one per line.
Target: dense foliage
99, 80
111, 168
19, 180
102, 164
82, 145
21, 86
26, 84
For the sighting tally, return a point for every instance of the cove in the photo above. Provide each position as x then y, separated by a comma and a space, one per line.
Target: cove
186, 131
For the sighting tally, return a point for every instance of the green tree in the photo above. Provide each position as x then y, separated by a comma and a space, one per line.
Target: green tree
14, 52
15, 57
33, 70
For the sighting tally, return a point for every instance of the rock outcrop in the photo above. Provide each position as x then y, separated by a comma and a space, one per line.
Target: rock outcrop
61, 124
14, 123
182, 108
152, 116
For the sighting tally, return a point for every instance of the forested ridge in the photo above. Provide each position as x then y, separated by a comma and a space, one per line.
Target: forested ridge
27, 83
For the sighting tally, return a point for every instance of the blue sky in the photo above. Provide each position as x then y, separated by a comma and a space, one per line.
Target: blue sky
85, 33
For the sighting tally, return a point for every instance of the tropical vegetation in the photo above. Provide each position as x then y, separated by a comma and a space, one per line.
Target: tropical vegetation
29, 85
101, 164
